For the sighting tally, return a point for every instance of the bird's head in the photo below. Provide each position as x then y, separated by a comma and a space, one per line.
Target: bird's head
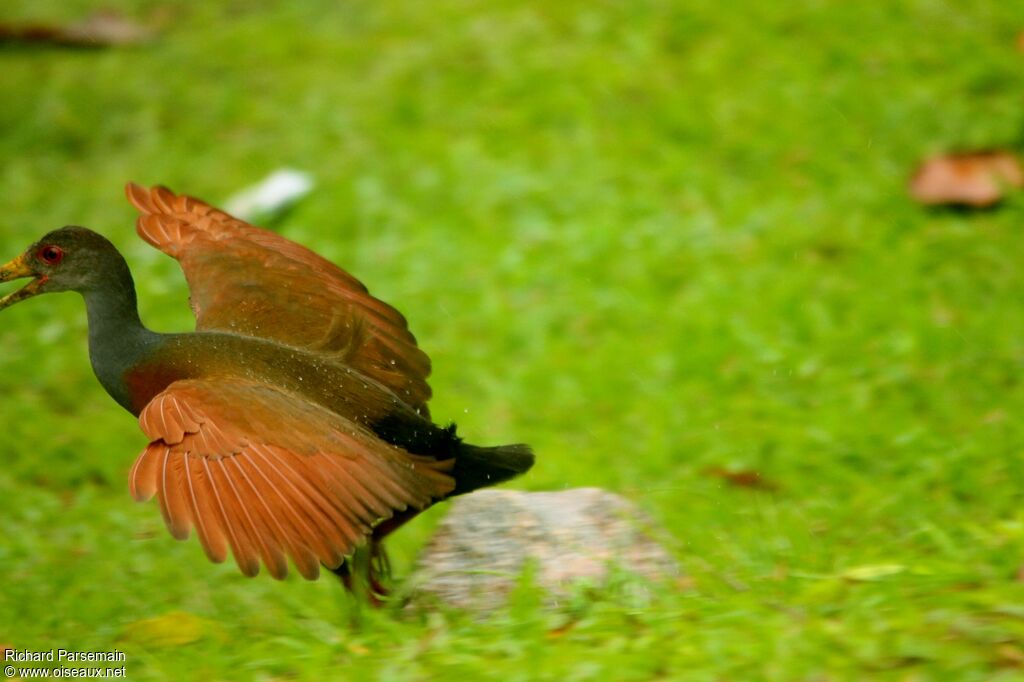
69, 259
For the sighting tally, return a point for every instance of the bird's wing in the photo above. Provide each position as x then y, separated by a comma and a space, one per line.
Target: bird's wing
251, 281
270, 475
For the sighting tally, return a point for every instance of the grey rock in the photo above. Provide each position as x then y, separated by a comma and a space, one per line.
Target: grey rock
478, 554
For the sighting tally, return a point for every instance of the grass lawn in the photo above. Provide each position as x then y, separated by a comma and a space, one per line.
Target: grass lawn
649, 238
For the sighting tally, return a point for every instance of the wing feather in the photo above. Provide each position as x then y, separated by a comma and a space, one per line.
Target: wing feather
243, 557
246, 534
271, 476
142, 480
311, 508
289, 525
262, 526
208, 528
177, 516
247, 280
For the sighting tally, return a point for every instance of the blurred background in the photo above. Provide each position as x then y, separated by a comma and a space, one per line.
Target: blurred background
669, 244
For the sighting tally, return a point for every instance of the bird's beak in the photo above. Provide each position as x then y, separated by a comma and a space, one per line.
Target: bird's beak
16, 269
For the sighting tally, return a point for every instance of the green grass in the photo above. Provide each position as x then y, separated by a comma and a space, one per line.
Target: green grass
648, 238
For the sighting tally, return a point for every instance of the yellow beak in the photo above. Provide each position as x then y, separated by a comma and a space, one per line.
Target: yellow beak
17, 269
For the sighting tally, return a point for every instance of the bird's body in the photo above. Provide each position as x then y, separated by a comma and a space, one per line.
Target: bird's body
293, 422
154, 361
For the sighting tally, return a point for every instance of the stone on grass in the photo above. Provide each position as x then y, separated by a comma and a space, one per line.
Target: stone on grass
477, 556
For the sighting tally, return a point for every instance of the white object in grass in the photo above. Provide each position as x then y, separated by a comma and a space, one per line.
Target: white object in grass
270, 196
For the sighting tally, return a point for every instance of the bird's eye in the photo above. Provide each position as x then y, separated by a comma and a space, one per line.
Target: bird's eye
51, 255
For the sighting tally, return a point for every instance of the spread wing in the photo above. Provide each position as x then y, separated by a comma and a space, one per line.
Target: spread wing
251, 281
270, 475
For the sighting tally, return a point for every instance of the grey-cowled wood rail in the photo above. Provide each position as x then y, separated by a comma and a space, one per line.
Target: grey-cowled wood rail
293, 423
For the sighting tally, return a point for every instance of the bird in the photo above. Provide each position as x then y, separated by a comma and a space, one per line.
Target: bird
292, 426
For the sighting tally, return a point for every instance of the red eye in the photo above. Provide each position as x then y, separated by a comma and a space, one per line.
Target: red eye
51, 255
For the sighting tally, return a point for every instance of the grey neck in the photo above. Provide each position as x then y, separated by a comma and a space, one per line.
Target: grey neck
118, 340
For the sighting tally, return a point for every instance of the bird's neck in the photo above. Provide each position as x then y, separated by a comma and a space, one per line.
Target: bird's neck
118, 340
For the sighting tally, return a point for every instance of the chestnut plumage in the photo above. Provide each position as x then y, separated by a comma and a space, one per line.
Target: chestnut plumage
293, 423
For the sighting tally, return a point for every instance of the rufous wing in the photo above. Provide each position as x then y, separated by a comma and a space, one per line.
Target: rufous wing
251, 281
270, 476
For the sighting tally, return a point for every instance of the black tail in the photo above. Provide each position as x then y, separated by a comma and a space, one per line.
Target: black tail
477, 467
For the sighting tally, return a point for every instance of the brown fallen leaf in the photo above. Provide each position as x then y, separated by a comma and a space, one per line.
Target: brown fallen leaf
561, 630
686, 583
996, 416
742, 478
1010, 655
974, 179
101, 29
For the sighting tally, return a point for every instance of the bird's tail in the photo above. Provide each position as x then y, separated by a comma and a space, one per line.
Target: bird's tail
479, 467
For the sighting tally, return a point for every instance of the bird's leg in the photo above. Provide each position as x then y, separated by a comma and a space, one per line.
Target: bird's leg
344, 572
386, 528
369, 562
378, 568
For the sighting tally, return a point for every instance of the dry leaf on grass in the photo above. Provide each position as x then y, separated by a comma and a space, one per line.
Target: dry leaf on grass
742, 478
975, 179
1009, 655
101, 29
